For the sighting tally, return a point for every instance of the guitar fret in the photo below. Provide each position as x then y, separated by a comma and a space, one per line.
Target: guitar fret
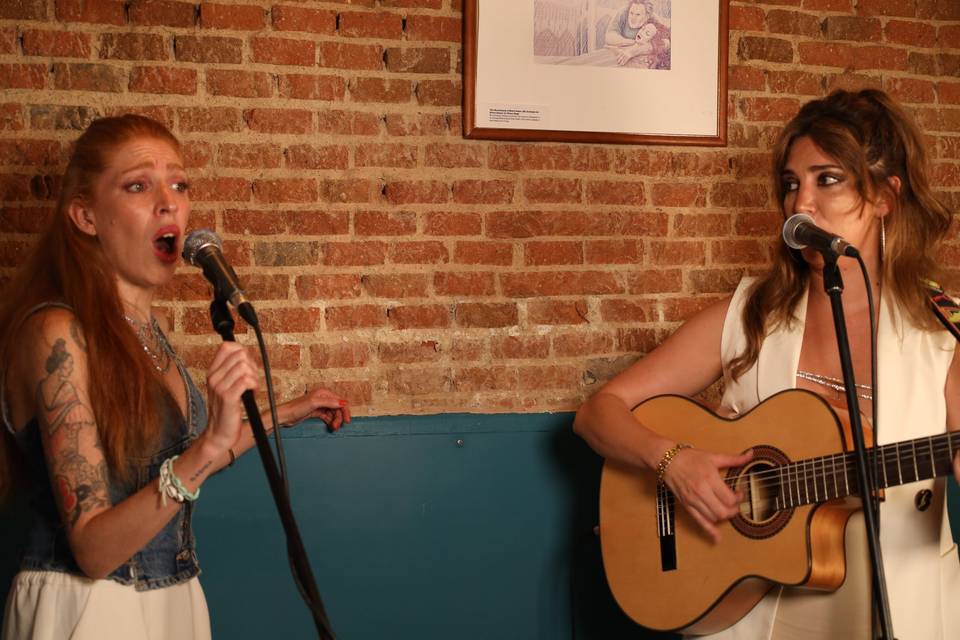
896, 447
846, 479
797, 477
883, 462
933, 463
916, 471
816, 498
780, 498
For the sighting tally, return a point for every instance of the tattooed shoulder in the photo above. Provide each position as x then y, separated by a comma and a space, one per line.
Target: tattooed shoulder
77, 334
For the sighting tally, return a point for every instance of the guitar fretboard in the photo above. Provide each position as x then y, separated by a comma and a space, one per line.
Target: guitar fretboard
835, 476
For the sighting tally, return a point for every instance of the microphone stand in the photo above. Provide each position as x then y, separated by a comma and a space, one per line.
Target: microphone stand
833, 285
223, 324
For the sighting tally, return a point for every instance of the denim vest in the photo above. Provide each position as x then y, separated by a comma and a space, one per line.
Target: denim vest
170, 557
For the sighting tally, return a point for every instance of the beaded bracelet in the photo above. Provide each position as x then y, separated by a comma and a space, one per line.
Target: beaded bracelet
668, 458
171, 486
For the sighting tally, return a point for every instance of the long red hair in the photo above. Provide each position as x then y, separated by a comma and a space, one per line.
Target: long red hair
69, 266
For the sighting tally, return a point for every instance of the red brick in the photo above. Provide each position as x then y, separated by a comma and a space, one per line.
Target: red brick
209, 49
22, 76
769, 109
418, 382
299, 222
421, 124
279, 120
637, 340
24, 219
249, 156
680, 309
483, 252
417, 60
294, 18
628, 310
439, 93
910, 90
219, 189
290, 320
354, 254
678, 253
62, 44
741, 78
829, 5
197, 155
615, 192
880, 57
413, 4
283, 51
655, 281
885, 8
212, 119
23, 10
355, 316
340, 355
516, 157
342, 55
307, 156
478, 379
162, 13
757, 224
557, 312
520, 347
309, 87
30, 153
379, 24
409, 352
949, 92
746, 19
826, 54
615, 251
163, 80
285, 190
729, 251
551, 190
87, 77
714, 280
101, 12
349, 190
554, 283
385, 155
348, 122
241, 84
768, 49
428, 252
582, 343
799, 82
452, 224
914, 34
285, 254
949, 35
13, 253
483, 191
425, 191
324, 287
426, 28
796, 23
678, 195
549, 377
466, 284
483, 315
11, 117
237, 17
381, 223
703, 224
9, 41
419, 316
381, 90
740, 195
540, 253
453, 155
938, 10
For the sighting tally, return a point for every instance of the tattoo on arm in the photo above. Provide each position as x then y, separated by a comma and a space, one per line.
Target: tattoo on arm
200, 471
81, 484
77, 334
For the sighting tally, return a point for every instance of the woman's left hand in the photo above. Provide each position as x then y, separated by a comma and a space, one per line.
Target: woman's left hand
316, 403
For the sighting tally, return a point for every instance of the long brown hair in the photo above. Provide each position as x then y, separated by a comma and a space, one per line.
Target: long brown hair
873, 139
69, 266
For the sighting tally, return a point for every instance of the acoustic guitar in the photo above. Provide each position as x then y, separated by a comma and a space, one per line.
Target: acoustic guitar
666, 574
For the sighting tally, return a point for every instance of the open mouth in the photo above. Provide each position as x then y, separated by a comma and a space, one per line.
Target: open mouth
165, 244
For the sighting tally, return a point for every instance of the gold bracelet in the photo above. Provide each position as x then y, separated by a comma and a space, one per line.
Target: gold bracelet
668, 458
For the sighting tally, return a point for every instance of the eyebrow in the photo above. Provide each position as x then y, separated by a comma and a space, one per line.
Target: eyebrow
816, 167
148, 165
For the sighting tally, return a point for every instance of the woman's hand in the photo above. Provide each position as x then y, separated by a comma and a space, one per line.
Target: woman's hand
232, 372
316, 403
694, 476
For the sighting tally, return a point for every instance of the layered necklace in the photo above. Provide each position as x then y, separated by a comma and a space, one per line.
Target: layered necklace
835, 383
154, 343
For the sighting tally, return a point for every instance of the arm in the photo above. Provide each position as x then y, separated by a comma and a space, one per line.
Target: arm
102, 536
952, 395
686, 363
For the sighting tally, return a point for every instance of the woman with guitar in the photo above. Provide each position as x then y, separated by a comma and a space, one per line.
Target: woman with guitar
730, 517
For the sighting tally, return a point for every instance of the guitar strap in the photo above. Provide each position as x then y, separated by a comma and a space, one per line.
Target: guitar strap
945, 307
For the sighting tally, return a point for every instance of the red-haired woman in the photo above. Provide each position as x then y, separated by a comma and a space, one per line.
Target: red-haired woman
856, 164
102, 426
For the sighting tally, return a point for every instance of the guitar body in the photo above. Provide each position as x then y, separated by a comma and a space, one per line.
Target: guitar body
683, 581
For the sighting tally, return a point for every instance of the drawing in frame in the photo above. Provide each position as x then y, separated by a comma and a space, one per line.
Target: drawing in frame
607, 71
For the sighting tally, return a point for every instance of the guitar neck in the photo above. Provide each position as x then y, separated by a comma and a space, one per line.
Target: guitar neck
835, 476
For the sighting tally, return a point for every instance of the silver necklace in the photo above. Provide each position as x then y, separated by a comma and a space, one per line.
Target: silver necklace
834, 383
153, 342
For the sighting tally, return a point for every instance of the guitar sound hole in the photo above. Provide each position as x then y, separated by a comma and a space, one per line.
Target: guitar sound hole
759, 483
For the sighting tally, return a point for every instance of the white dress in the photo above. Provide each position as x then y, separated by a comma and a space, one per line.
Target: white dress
51, 605
920, 557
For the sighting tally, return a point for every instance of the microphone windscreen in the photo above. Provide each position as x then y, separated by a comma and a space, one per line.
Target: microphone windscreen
790, 230
196, 241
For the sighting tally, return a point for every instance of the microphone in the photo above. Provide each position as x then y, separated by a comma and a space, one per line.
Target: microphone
203, 249
799, 232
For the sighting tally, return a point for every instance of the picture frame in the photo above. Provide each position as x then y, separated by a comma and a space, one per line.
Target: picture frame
603, 71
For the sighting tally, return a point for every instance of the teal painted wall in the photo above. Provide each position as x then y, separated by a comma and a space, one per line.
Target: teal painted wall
450, 526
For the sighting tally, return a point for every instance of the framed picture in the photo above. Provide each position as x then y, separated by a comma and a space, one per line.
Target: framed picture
623, 71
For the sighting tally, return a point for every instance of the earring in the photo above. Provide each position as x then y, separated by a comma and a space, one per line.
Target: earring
883, 239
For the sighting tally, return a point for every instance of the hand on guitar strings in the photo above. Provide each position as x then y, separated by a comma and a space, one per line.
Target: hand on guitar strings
695, 477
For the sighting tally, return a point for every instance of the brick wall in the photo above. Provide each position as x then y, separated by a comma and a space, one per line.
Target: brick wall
390, 258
